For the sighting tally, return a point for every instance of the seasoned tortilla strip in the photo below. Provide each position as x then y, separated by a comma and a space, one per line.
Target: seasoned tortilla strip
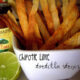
14, 25
34, 7
71, 43
64, 8
75, 28
33, 24
12, 16
2, 24
41, 26
32, 28
48, 17
62, 30
58, 4
33, 13
4, 19
21, 11
12, 3
71, 5
54, 13
67, 6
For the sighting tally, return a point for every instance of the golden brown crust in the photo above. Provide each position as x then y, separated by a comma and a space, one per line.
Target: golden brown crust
21, 11
48, 17
54, 13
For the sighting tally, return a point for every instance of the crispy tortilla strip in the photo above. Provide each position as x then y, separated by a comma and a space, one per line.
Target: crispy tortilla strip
12, 3
48, 17
14, 25
2, 24
34, 7
75, 28
33, 27
41, 26
71, 43
12, 16
77, 47
64, 8
62, 30
67, 7
31, 33
21, 11
21, 39
54, 13
34, 22
58, 4
71, 5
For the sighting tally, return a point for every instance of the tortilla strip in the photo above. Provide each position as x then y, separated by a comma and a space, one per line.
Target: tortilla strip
48, 17
15, 26
12, 16
41, 26
58, 4
67, 7
75, 28
13, 4
21, 39
64, 8
62, 30
71, 5
71, 43
33, 26
33, 13
21, 11
54, 13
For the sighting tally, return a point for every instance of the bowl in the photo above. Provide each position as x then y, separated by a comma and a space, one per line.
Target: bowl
48, 65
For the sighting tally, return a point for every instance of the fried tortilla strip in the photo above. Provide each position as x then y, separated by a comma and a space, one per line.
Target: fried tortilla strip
67, 7
12, 16
12, 3
48, 17
21, 39
58, 4
31, 35
21, 11
2, 24
71, 43
34, 7
62, 30
33, 27
34, 22
41, 26
75, 28
71, 5
77, 47
64, 8
54, 13
14, 25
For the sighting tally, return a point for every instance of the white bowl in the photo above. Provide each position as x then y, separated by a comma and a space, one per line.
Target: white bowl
62, 64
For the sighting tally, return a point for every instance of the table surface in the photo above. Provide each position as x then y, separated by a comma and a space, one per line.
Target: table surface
22, 76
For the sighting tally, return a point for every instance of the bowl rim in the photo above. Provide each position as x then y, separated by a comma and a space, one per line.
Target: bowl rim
15, 47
